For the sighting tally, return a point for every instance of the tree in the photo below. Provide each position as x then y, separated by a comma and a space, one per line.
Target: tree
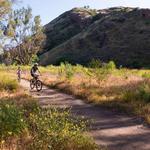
5, 9
5, 6
26, 35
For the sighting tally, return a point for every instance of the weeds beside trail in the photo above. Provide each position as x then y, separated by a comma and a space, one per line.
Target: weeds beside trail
25, 125
7, 83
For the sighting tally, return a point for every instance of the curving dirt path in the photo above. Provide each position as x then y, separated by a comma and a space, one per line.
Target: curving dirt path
116, 131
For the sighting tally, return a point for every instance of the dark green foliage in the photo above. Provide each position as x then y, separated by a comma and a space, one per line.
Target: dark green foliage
95, 63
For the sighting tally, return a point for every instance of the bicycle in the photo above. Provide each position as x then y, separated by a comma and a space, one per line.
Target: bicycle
35, 82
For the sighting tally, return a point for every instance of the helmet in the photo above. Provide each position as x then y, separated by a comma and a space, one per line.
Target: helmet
36, 64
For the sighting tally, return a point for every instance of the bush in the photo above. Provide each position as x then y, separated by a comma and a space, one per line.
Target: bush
43, 128
69, 72
142, 93
66, 70
12, 123
99, 70
56, 130
95, 63
35, 59
110, 66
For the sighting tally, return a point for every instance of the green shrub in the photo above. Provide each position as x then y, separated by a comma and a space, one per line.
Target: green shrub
69, 72
95, 63
61, 70
56, 130
35, 59
99, 70
66, 70
142, 93
110, 66
45, 129
12, 123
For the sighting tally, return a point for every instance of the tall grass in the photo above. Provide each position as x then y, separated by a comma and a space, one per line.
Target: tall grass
7, 82
141, 93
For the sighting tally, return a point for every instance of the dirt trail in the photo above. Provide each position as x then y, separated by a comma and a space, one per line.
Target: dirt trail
116, 131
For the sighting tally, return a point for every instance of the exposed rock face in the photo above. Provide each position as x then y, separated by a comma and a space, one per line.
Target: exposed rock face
118, 34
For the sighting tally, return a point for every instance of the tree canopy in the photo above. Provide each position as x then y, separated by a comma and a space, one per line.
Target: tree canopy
5, 7
21, 34
25, 34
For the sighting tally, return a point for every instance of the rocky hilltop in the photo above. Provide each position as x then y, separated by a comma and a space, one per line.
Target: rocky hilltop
120, 34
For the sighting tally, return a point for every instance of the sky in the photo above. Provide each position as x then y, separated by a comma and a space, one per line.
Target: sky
50, 9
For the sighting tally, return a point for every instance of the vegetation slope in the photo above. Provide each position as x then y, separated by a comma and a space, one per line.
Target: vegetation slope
120, 34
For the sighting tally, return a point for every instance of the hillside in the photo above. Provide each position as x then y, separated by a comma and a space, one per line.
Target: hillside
119, 34
66, 26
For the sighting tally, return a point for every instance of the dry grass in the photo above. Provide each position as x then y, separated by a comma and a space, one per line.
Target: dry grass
124, 90
114, 92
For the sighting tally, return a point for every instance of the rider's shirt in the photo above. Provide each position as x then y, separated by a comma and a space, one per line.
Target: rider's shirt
34, 70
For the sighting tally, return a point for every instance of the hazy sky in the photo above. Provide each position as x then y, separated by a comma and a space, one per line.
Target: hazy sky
50, 9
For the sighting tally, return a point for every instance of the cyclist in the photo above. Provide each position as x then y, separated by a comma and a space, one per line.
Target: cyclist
35, 71
19, 73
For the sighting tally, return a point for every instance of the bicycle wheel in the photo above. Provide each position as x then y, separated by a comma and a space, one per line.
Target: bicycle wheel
32, 85
39, 85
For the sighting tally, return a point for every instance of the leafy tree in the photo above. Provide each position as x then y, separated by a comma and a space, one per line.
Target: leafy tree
25, 34
5, 10
5, 6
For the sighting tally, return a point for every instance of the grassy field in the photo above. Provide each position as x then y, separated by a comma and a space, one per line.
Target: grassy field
119, 89
25, 125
